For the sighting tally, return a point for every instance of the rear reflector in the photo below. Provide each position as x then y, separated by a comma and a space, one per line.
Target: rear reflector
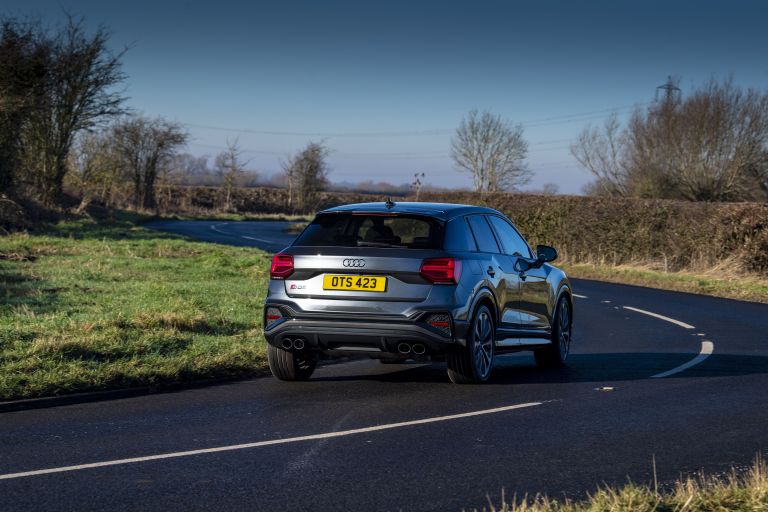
441, 322
282, 266
272, 316
441, 270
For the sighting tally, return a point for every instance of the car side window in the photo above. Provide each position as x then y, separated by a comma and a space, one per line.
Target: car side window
486, 242
458, 237
511, 241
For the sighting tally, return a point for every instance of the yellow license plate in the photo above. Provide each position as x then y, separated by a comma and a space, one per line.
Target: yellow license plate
355, 283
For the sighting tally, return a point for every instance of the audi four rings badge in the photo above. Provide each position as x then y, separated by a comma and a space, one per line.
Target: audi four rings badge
353, 262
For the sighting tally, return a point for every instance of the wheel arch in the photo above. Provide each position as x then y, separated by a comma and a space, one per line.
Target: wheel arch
484, 296
564, 291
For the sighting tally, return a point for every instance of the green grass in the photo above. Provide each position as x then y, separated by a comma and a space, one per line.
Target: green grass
721, 284
88, 306
745, 492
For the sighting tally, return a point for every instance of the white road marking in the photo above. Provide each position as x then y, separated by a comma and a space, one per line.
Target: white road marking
707, 347
215, 227
660, 317
259, 444
580, 296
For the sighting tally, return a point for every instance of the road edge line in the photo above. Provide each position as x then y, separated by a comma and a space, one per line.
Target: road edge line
707, 348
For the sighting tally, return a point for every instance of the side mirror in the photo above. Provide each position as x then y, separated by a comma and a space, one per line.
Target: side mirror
545, 253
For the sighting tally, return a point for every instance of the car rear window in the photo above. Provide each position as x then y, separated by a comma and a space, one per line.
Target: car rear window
373, 230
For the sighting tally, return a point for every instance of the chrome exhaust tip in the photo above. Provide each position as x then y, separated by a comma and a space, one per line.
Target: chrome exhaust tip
298, 344
287, 343
403, 348
419, 349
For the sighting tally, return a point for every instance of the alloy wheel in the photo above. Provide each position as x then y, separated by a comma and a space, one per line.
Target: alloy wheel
482, 338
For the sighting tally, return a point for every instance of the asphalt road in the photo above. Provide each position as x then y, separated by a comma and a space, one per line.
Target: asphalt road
350, 438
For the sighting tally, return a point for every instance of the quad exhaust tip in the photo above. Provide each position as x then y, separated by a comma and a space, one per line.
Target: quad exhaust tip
404, 348
419, 349
298, 344
287, 343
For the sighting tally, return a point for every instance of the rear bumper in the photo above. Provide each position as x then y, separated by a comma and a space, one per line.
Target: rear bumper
363, 334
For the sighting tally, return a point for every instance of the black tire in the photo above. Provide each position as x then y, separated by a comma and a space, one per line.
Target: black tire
556, 354
473, 364
287, 365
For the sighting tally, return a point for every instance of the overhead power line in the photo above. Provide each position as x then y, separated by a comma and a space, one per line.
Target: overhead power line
532, 123
406, 155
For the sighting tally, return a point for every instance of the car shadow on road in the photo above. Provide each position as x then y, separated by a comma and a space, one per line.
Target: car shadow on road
610, 367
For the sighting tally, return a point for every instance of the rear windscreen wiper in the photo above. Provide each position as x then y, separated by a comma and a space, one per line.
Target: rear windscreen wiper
361, 243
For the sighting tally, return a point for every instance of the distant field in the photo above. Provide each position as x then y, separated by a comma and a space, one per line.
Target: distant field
86, 306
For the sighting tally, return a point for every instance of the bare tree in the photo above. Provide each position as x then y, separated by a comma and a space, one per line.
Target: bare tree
306, 175
603, 153
230, 166
492, 150
417, 184
550, 189
79, 94
713, 142
709, 146
144, 148
94, 170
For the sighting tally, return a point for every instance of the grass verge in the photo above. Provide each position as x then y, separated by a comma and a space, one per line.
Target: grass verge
90, 306
747, 491
730, 286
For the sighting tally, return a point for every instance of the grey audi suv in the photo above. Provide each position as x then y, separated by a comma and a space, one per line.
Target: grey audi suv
415, 281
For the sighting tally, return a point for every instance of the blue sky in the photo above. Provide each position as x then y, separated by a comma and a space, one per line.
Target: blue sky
386, 83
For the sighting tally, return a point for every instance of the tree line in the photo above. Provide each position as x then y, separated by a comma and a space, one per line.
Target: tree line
63, 119
64, 125
711, 145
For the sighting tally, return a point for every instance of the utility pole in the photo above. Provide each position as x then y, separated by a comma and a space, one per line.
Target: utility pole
670, 91
416, 185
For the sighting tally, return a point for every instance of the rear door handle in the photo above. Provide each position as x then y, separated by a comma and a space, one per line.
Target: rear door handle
491, 272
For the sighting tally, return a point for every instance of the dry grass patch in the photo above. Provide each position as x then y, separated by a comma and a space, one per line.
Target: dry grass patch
739, 492
716, 283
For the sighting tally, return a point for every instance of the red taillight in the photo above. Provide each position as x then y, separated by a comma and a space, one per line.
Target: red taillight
441, 270
282, 266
